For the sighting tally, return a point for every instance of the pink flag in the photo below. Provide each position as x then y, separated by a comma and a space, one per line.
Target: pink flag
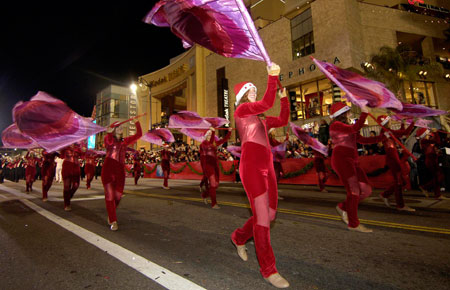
196, 134
422, 123
235, 150
412, 110
51, 123
359, 90
157, 136
217, 122
222, 26
303, 136
188, 119
279, 152
13, 138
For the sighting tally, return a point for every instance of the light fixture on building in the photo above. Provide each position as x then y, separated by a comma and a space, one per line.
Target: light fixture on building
423, 74
133, 88
447, 77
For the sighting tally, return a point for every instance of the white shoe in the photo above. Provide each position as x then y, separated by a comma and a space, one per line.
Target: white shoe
200, 189
205, 200
114, 226
241, 251
360, 228
406, 208
166, 187
385, 200
343, 214
277, 281
216, 206
280, 198
68, 208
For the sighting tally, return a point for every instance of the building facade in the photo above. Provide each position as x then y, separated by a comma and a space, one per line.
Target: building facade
343, 32
176, 87
115, 104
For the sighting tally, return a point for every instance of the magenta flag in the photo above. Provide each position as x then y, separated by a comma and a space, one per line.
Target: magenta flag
51, 123
235, 150
188, 119
420, 111
217, 122
279, 152
157, 136
222, 26
196, 134
13, 138
359, 90
303, 136
422, 123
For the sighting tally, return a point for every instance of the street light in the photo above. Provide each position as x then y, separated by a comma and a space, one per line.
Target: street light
133, 88
143, 83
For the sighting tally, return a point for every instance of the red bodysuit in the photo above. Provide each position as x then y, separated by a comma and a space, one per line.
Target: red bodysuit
48, 172
257, 173
137, 168
30, 171
429, 148
89, 168
113, 171
395, 164
210, 165
70, 172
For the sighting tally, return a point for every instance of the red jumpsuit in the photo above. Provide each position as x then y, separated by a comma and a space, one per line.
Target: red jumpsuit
395, 164
70, 172
165, 164
344, 161
30, 171
321, 170
210, 165
89, 168
48, 172
113, 171
429, 147
258, 175
137, 168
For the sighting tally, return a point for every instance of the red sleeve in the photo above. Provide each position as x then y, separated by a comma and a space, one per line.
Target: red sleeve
250, 109
213, 137
224, 139
274, 142
108, 140
133, 139
283, 119
349, 129
403, 132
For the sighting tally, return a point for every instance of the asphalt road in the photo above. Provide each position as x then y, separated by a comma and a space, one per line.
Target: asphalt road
44, 247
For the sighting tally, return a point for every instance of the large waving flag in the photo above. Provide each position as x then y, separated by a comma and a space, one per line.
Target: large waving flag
222, 26
13, 138
413, 110
359, 90
51, 123
158, 136
303, 136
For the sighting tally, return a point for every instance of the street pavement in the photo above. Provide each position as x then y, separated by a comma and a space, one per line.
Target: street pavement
171, 239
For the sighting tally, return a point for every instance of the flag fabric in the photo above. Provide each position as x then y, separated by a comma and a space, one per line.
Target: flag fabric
222, 26
217, 122
303, 136
235, 150
158, 136
13, 138
188, 119
197, 134
279, 152
421, 123
359, 90
51, 123
419, 111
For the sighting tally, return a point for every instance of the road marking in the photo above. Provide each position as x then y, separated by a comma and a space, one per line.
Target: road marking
159, 274
305, 213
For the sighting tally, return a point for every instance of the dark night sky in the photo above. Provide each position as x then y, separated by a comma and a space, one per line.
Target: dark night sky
74, 49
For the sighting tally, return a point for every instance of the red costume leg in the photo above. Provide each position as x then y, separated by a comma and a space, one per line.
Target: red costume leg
166, 178
136, 177
89, 169
67, 190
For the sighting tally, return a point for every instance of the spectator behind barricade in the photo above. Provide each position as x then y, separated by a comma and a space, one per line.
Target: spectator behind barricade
324, 132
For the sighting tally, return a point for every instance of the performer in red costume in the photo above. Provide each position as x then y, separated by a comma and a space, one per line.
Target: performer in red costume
210, 165
30, 171
278, 156
257, 172
113, 171
165, 164
70, 172
137, 167
89, 168
429, 144
321, 170
344, 161
48, 172
393, 162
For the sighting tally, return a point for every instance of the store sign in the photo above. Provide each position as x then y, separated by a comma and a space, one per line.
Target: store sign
226, 106
170, 76
132, 112
311, 68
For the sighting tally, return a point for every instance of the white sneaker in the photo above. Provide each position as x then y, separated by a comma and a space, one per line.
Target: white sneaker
342, 214
114, 226
385, 200
216, 206
277, 281
360, 228
166, 187
406, 208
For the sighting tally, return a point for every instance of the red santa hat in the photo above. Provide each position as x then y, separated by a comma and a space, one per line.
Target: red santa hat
165, 144
240, 89
383, 119
338, 109
422, 132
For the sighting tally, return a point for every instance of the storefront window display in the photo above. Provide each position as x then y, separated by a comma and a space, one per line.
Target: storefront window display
420, 93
